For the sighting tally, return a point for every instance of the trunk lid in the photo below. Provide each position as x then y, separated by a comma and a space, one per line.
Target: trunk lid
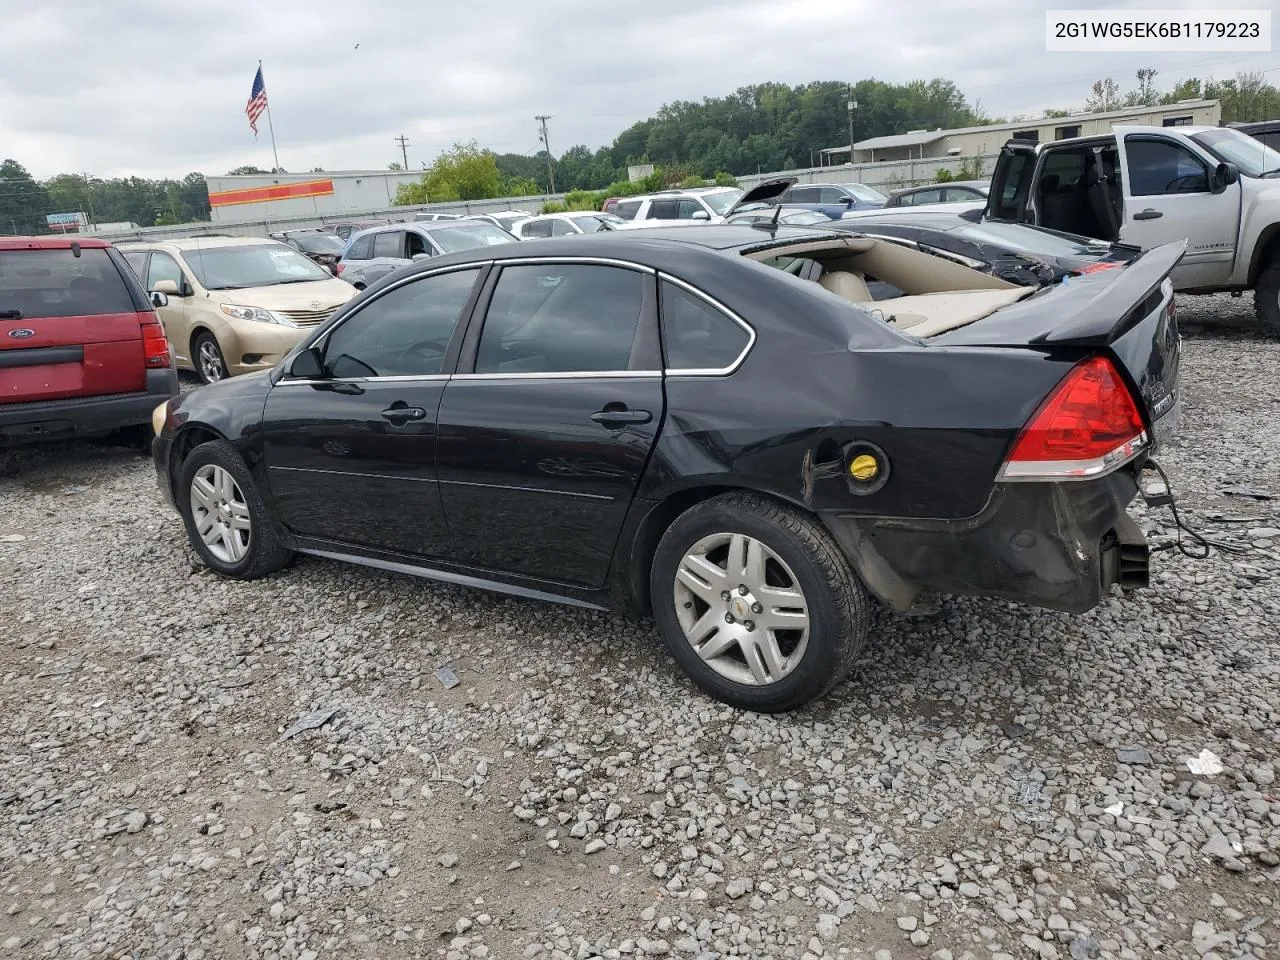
1128, 311
69, 325
767, 193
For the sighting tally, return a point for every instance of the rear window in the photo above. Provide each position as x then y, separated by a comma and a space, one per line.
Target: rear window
55, 283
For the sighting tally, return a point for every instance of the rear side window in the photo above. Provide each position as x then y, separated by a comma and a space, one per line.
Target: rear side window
697, 336
805, 194
361, 249
538, 228
561, 318
55, 283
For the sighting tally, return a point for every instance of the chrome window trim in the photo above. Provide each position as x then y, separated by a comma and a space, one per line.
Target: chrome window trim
550, 261
426, 377
717, 305
572, 375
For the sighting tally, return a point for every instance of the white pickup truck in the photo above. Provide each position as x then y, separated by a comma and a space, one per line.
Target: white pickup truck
1213, 186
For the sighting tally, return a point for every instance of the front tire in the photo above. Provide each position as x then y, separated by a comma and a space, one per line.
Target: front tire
1266, 298
756, 603
226, 519
209, 363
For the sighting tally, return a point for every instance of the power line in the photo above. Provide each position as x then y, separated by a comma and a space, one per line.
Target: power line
542, 118
404, 151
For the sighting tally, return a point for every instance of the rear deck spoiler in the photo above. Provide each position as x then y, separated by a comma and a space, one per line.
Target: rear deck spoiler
1104, 318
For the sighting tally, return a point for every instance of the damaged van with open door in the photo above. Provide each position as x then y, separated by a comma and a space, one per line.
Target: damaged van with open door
1213, 187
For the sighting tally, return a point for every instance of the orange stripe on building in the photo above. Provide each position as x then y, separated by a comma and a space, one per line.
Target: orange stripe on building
279, 191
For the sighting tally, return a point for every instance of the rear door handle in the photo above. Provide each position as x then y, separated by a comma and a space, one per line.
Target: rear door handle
1148, 214
620, 418
401, 414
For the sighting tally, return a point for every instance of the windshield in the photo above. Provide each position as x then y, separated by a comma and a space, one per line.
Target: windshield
597, 222
252, 265
1021, 238
319, 242
720, 202
468, 236
1253, 157
805, 217
863, 192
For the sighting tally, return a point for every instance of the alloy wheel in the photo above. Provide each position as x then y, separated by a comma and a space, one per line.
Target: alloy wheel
741, 609
211, 365
221, 513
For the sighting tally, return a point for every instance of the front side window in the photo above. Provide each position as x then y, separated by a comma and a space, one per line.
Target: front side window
137, 260
562, 228
561, 318
626, 209
688, 209
403, 333
831, 195
251, 265
695, 335
163, 267
389, 243
1162, 167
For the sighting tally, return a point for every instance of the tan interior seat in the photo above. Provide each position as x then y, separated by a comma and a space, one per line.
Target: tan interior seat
929, 314
844, 283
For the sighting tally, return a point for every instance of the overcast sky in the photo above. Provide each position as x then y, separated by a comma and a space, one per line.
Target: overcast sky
158, 87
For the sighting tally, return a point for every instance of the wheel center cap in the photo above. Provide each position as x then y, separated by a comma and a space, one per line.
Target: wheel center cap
740, 607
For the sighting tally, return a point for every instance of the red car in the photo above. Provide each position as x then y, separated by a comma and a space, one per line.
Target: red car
82, 353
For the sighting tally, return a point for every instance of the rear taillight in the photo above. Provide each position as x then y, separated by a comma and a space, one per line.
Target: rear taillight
1100, 265
1088, 426
155, 346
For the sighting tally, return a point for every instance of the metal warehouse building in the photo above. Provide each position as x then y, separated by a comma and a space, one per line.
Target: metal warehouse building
972, 141
282, 196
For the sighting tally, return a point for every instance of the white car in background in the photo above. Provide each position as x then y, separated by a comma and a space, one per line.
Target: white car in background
678, 208
503, 218
565, 224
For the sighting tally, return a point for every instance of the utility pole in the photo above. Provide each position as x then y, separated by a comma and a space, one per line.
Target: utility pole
88, 192
852, 104
542, 118
404, 151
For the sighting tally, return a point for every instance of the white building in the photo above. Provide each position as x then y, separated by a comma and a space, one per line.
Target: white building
975, 141
285, 196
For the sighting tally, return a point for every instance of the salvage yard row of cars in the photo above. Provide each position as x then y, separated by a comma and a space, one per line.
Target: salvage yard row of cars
748, 430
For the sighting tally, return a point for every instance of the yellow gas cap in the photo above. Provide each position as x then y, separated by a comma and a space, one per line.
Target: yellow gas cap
864, 467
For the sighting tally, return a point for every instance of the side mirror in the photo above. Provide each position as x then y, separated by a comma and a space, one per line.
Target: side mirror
701, 215
168, 287
159, 298
1224, 174
307, 365
849, 201
421, 256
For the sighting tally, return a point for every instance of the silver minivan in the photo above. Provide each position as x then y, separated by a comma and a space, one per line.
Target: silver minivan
372, 254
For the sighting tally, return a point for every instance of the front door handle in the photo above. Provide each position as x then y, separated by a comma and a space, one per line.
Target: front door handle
620, 416
1148, 214
400, 414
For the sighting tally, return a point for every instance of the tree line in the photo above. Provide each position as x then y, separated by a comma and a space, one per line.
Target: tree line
762, 127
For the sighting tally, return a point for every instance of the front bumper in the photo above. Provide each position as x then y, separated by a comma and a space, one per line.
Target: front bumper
248, 345
1055, 545
23, 423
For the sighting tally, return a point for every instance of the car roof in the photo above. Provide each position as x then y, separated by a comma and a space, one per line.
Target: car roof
196, 243
52, 243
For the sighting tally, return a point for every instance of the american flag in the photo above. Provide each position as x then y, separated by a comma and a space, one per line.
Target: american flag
257, 101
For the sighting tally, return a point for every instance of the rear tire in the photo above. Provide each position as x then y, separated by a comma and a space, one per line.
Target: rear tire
1266, 298
227, 521
207, 358
792, 572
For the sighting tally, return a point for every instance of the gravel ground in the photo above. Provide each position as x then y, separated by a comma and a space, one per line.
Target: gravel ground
993, 782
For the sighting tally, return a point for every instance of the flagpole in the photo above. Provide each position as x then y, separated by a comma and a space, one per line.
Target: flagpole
270, 126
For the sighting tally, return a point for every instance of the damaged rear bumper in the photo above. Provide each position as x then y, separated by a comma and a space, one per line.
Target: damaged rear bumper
1054, 545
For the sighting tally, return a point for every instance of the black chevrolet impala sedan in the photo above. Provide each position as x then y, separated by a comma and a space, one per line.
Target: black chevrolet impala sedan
673, 422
